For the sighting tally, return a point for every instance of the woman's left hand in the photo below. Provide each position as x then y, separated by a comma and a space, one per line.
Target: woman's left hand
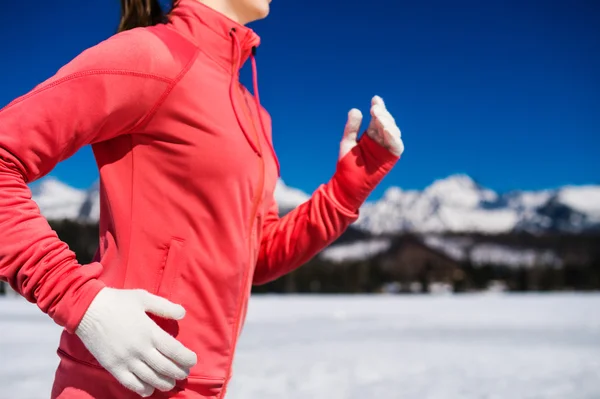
364, 162
382, 129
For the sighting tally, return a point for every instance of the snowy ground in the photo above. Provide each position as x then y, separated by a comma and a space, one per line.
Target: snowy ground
471, 347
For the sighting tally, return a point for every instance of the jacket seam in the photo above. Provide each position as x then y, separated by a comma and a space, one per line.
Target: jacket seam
154, 110
142, 124
218, 33
196, 44
61, 352
77, 75
203, 378
131, 201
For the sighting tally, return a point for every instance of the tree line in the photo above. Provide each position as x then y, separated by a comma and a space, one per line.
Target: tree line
409, 266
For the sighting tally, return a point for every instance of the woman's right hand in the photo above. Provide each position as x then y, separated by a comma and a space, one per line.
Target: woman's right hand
130, 345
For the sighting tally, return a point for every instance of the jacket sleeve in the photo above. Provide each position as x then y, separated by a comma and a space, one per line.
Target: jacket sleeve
93, 98
290, 241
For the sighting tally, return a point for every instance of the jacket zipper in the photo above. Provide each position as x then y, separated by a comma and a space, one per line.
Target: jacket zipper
257, 197
261, 183
255, 204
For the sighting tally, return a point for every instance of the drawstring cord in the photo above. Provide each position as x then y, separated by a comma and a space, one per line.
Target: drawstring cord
236, 67
258, 109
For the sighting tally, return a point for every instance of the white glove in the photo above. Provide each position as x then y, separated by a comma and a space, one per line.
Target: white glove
130, 345
382, 129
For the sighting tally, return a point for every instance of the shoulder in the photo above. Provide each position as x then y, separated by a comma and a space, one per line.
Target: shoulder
155, 51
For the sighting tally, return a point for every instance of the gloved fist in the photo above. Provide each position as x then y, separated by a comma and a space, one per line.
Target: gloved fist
130, 345
363, 163
382, 129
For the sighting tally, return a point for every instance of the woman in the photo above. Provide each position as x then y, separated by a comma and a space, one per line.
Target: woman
187, 172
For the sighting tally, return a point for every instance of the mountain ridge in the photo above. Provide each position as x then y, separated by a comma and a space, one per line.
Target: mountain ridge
456, 204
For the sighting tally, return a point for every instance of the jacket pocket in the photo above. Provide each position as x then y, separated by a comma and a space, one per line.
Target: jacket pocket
169, 270
206, 386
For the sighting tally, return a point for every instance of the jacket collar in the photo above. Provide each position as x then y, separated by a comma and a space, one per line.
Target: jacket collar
213, 31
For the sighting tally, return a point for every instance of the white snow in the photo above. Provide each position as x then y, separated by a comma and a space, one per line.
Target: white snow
491, 346
461, 248
460, 191
585, 199
459, 204
493, 254
454, 204
390, 213
454, 247
488, 220
57, 200
355, 251
528, 200
288, 198
93, 203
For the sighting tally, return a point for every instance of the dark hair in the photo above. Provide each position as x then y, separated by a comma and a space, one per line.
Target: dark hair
140, 13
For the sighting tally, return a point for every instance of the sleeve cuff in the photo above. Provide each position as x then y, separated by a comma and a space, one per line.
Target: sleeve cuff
359, 172
77, 303
377, 153
330, 191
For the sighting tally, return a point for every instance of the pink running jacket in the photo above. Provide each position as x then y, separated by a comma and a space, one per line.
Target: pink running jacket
187, 175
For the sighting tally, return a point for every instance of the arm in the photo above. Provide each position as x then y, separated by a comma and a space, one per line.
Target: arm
291, 241
93, 98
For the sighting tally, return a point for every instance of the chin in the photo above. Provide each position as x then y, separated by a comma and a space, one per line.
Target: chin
262, 13
261, 9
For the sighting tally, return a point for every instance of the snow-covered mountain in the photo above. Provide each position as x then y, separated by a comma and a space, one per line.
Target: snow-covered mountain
57, 200
288, 198
90, 209
459, 204
454, 204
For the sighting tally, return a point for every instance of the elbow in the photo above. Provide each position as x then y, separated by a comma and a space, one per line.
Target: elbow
265, 275
10, 166
262, 279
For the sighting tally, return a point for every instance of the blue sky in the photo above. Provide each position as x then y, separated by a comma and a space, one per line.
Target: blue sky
505, 91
